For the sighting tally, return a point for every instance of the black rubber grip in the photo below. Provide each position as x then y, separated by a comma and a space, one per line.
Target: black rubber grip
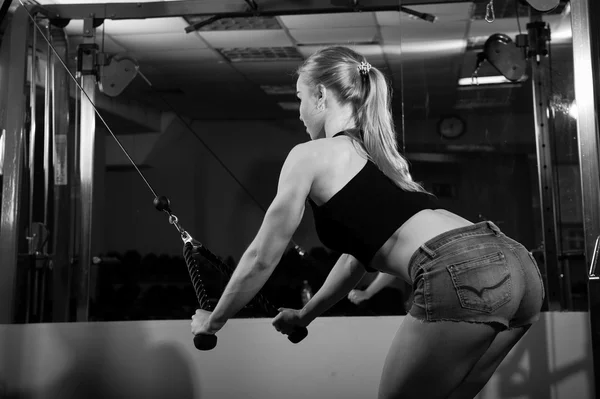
205, 342
298, 335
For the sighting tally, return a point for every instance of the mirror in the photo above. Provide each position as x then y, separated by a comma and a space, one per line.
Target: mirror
206, 108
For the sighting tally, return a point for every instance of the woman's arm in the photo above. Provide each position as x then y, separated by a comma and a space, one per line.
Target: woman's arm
358, 296
382, 280
264, 253
344, 276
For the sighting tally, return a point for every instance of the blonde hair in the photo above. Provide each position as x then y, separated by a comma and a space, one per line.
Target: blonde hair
337, 69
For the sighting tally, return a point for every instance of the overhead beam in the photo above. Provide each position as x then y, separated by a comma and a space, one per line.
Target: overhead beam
229, 8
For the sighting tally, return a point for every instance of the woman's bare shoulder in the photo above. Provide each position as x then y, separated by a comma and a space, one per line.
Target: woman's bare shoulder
323, 154
312, 151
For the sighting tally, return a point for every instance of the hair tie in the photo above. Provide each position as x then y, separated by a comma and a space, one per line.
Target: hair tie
364, 68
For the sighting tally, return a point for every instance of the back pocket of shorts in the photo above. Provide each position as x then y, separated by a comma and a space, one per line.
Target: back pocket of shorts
483, 283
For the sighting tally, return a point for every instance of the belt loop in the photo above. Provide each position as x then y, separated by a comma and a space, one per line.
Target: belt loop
428, 251
494, 228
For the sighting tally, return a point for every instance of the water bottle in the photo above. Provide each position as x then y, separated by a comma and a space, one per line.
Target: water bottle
306, 292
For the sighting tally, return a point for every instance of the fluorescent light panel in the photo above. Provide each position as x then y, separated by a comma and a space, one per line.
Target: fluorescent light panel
423, 47
239, 23
261, 54
486, 80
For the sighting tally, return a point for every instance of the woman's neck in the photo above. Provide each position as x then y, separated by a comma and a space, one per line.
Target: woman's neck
340, 119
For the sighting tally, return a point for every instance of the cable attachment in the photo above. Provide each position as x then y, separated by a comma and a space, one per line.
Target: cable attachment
163, 204
185, 236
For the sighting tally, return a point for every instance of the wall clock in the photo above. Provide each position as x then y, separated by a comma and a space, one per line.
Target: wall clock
451, 127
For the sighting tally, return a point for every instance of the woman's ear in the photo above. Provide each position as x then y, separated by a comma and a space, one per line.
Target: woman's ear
321, 94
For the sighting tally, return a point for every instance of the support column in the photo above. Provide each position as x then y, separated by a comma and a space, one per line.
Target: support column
63, 158
13, 58
585, 17
539, 37
87, 138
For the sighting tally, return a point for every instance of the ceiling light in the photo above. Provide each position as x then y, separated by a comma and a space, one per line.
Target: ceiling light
240, 54
421, 47
217, 23
487, 80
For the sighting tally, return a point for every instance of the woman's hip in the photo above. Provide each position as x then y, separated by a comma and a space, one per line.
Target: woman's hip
476, 274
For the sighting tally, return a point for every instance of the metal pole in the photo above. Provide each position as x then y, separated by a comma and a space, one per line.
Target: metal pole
47, 132
32, 131
539, 37
63, 160
586, 53
585, 15
15, 61
87, 137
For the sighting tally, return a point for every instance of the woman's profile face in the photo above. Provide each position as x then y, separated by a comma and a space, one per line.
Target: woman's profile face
310, 115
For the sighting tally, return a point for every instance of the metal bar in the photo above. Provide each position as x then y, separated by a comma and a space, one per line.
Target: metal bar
586, 53
75, 219
230, 8
15, 62
32, 131
47, 133
595, 257
544, 131
62, 161
87, 138
585, 14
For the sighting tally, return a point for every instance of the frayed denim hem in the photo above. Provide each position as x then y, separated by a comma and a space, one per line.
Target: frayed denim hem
496, 325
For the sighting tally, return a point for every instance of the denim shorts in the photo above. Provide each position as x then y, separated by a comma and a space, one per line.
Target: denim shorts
476, 274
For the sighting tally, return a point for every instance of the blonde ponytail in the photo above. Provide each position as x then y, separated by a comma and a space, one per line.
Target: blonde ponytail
356, 82
374, 118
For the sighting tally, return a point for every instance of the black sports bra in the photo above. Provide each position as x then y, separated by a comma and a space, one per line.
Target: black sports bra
365, 213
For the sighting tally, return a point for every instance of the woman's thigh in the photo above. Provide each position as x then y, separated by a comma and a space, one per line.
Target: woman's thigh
488, 363
430, 359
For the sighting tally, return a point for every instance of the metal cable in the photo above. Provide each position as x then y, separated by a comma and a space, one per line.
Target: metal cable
89, 99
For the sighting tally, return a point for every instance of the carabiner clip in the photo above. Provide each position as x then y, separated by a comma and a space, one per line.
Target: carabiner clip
184, 234
490, 15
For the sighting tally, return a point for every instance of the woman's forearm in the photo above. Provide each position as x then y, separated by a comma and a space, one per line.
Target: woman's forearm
247, 279
344, 276
382, 280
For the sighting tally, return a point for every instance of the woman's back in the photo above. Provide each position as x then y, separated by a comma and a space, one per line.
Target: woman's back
339, 167
339, 163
